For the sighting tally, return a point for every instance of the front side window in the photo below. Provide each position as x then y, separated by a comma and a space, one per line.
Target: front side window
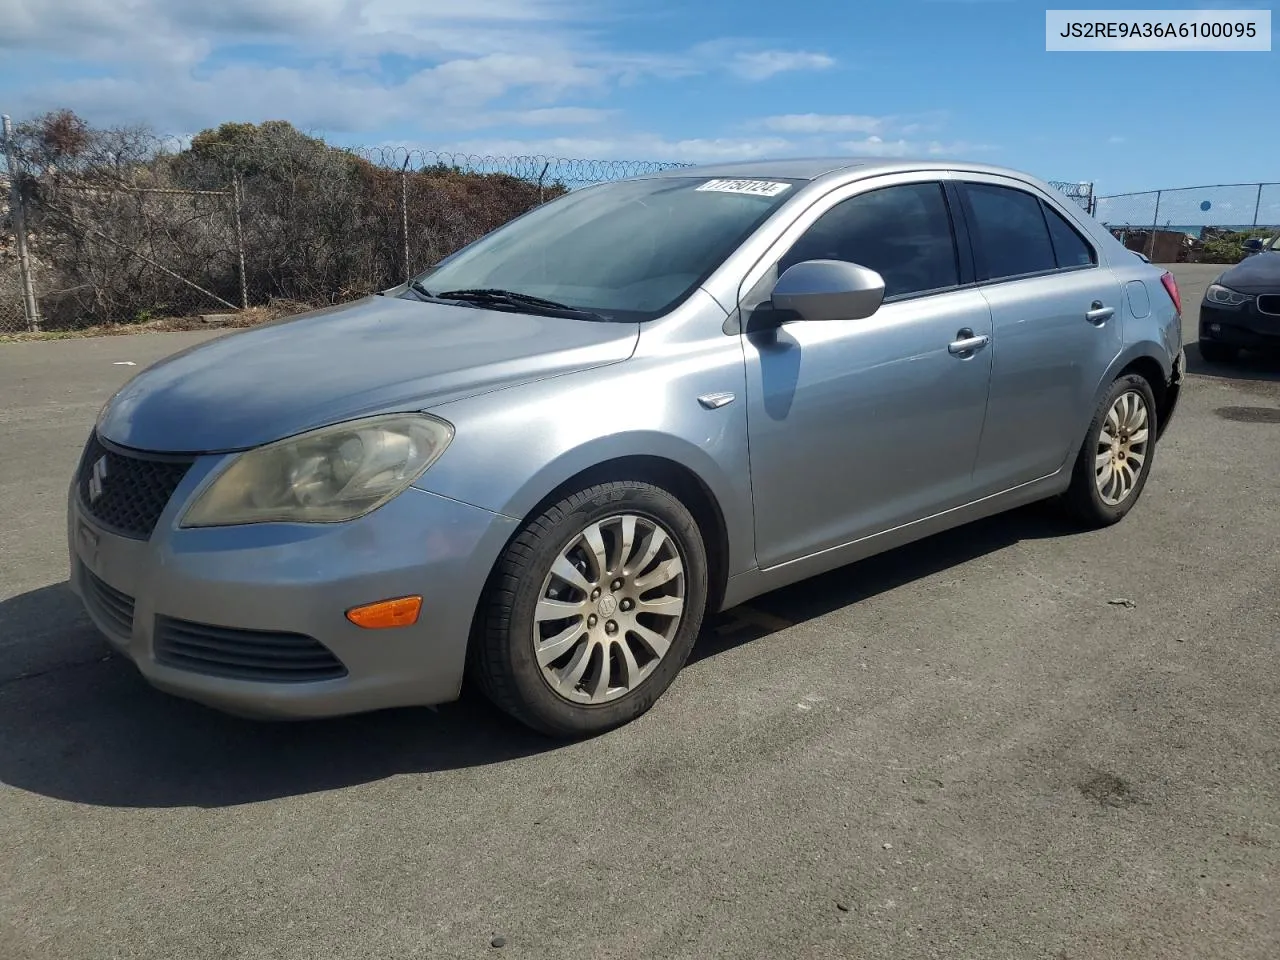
903, 233
630, 250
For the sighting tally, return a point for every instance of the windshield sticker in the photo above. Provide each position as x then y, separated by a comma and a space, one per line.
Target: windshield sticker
759, 188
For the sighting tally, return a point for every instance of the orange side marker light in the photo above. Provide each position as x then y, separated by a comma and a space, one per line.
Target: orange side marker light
385, 614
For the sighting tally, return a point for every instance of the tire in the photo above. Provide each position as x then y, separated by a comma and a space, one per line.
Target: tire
1094, 495
1214, 352
546, 670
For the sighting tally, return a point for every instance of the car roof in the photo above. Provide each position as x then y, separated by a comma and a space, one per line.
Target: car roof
812, 168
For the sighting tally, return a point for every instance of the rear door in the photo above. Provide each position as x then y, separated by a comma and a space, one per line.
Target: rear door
1056, 316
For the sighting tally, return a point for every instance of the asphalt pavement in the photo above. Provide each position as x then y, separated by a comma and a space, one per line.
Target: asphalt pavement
1014, 740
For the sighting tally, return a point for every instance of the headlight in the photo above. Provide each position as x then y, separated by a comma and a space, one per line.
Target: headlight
328, 475
1217, 293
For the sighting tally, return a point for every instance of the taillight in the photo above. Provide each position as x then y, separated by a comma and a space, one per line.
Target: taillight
1171, 285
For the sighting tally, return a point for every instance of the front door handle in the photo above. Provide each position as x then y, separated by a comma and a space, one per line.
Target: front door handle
1099, 314
966, 343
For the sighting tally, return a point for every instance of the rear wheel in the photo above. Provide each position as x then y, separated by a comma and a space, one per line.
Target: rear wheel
1214, 352
1115, 461
592, 610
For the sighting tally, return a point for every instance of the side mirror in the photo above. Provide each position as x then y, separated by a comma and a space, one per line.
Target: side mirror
829, 290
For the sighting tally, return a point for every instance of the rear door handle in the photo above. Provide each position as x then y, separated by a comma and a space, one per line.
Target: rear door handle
1099, 314
966, 343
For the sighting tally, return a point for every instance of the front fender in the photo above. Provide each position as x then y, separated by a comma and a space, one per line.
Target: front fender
512, 449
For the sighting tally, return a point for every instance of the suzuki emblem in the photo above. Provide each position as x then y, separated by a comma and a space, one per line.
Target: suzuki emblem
96, 479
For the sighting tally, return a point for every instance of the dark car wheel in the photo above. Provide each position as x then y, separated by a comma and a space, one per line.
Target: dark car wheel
1115, 460
1214, 352
592, 609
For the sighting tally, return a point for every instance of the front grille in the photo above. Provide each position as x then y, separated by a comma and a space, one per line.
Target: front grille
1270, 303
127, 492
244, 654
113, 608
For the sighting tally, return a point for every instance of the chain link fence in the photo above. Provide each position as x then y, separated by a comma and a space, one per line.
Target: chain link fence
1193, 223
121, 226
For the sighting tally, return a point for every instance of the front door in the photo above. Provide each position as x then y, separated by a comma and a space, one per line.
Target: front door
859, 426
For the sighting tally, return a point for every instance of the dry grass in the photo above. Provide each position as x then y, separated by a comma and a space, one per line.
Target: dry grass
252, 317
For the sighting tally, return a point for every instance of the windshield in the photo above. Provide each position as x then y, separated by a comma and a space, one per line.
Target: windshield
630, 250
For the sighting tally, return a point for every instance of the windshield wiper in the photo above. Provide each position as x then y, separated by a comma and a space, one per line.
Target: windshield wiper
494, 297
417, 287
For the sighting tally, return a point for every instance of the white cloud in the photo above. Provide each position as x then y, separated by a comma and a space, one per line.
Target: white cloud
740, 58
553, 116
763, 64
638, 146
179, 64
486, 78
959, 149
186, 31
819, 123
322, 98
775, 136
876, 147
350, 66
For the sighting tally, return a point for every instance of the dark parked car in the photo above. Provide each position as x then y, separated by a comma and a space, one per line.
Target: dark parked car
1256, 245
1241, 309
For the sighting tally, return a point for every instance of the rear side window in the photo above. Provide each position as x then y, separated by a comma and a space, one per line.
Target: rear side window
1009, 232
903, 233
1070, 248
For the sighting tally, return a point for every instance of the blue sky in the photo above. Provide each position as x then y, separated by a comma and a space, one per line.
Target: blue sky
657, 80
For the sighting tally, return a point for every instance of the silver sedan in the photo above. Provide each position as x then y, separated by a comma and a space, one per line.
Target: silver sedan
542, 462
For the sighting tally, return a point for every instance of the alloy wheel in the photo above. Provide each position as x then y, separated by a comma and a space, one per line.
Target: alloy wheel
609, 609
1122, 448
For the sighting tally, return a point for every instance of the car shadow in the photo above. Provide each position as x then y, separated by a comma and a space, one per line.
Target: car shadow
78, 723
1250, 365
845, 586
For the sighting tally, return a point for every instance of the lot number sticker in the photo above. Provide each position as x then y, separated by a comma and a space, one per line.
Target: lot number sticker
759, 188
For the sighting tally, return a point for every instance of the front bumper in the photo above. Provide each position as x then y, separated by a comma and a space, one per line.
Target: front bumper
297, 580
1242, 326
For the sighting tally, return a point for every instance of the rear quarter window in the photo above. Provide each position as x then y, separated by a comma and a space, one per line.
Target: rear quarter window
1070, 249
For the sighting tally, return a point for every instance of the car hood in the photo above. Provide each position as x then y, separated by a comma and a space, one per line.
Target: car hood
1256, 274
375, 355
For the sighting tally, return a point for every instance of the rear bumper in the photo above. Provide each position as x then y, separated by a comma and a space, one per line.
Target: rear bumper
300, 580
1172, 393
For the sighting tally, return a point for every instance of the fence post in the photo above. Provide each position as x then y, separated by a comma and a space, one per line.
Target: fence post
1155, 220
540, 176
18, 215
404, 216
1257, 205
235, 210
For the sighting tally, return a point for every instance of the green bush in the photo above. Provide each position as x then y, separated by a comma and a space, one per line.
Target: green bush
1227, 246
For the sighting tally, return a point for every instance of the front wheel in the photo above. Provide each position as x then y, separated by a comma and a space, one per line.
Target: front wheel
592, 609
1115, 461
